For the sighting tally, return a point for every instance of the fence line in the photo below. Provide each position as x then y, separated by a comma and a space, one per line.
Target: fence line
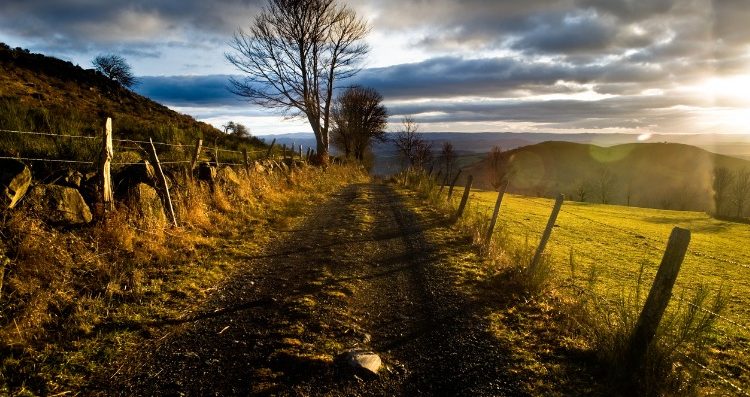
669, 269
729, 320
636, 235
51, 134
712, 372
46, 160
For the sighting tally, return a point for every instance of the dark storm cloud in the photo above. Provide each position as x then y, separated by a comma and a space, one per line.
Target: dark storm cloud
79, 25
614, 47
188, 90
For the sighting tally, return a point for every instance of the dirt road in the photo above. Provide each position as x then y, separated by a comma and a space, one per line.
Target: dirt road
369, 269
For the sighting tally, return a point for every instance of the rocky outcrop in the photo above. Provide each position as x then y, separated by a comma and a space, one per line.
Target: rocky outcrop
144, 201
15, 179
132, 175
228, 177
59, 205
206, 172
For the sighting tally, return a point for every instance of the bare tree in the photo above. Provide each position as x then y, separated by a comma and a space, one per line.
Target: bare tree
605, 184
415, 150
499, 169
116, 68
582, 190
293, 54
448, 158
723, 180
741, 191
422, 154
359, 118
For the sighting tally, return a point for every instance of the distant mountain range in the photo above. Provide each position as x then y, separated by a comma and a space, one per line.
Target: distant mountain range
656, 175
470, 146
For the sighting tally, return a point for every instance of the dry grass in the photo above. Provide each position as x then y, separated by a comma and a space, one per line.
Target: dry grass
62, 288
600, 325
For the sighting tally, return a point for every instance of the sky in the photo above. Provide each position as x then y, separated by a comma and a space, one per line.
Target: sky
632, 66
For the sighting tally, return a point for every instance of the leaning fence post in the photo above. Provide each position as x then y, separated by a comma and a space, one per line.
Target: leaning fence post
247, 162
465, 197
658, 297
450, 191
163, 180
547, 233
216, 152
196, 155
105, 164
499, 201
270, 148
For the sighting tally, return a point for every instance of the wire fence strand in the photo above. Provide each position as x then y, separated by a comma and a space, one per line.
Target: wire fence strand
46, 160
716, 374
50, 134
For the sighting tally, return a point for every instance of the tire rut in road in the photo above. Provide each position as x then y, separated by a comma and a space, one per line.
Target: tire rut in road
363, 271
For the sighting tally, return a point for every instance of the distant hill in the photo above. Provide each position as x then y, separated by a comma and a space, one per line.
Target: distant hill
656, 175
45, 94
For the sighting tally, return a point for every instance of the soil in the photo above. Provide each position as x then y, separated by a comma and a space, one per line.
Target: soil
371, 269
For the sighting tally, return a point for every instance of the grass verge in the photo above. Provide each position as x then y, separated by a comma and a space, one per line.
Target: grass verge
72, 300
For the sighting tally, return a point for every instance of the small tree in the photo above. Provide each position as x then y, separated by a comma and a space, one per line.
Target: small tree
415, 150
359, 118
582, 191
499, 170
605, 184
236, 129
448, 158
741, 191
293, 55
723, 180
116, 68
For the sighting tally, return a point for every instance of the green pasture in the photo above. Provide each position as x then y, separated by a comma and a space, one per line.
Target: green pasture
616, 240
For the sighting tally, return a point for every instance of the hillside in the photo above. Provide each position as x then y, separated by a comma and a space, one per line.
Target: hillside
45, 94
657, 175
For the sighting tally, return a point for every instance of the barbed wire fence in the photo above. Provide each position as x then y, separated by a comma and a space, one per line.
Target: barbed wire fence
106, 151
646, 247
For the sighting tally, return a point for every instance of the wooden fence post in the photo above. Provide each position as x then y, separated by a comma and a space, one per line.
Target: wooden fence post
247, 162
444, 182
216, 152
493, 221
196, 155
547, 233
105, 170
658, 297
283, 152
163, 180
465, 197
270, 148
300, 152
450, 191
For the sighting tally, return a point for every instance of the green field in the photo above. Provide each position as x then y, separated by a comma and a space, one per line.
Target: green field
618, 239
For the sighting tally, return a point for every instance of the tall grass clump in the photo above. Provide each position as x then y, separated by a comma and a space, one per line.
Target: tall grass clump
686, 328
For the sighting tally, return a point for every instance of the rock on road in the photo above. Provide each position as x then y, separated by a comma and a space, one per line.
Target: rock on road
371, 270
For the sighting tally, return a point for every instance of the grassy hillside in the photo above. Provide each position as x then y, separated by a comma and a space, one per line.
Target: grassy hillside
604, 248
656, 175
45, 94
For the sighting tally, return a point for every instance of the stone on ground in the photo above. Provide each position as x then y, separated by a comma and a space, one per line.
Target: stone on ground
364, 360
59, 205
15, 179
145, 201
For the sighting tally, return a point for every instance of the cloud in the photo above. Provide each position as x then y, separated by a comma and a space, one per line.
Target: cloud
188, 90
81, 26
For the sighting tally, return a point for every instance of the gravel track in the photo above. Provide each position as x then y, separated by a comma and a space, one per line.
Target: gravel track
369, 269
